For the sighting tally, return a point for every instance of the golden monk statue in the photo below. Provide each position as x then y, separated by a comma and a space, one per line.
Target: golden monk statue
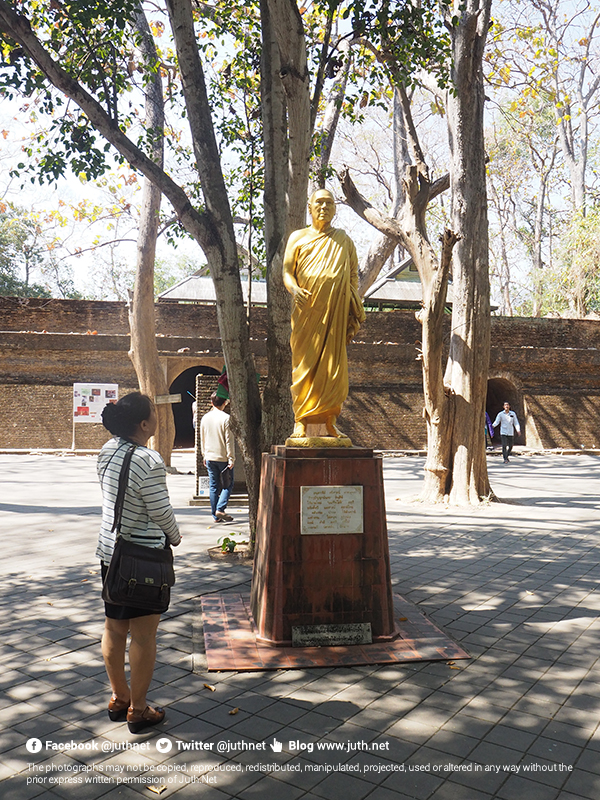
320, 270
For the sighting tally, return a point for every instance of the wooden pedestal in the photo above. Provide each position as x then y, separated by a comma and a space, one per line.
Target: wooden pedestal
320, 579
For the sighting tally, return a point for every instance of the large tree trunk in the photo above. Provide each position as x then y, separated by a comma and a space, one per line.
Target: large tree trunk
438, 410
278, 415
143, 351
289, 31
410, 231
285, 88
219, 245
454, 411
467, 369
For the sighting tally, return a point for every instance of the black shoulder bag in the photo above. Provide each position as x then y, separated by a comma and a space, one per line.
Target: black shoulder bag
137, 576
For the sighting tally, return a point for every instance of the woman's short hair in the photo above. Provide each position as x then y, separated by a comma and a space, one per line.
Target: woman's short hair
123, 417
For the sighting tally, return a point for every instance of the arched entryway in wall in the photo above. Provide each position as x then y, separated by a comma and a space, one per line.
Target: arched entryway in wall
185, 385
500, 391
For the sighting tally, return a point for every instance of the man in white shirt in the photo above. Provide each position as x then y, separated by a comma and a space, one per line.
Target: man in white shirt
509, 423
217, 446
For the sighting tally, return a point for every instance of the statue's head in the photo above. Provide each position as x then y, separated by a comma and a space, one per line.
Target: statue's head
322, 207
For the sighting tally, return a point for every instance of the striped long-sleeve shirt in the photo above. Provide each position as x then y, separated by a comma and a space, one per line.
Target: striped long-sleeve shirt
147, 513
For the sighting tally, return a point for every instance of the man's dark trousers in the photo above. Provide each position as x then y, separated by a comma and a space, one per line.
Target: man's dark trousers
507, 445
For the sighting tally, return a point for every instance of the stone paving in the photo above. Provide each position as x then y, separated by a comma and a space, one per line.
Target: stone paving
517, 584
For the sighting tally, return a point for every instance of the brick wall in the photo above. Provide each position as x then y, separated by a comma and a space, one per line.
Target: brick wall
106, 318
36, 416
191, 320
568, 420
549, 369
387, 415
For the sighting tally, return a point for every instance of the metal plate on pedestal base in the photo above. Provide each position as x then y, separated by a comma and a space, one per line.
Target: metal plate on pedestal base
331, 635
231, 642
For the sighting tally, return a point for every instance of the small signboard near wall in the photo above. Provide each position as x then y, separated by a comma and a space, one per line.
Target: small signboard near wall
89, 400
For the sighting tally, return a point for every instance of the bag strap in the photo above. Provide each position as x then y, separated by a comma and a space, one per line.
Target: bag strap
107, 465
123, 480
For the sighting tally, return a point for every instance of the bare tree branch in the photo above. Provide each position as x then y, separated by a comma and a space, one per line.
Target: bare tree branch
361, 206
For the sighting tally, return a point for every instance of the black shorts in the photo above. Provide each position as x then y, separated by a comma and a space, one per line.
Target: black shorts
122, 612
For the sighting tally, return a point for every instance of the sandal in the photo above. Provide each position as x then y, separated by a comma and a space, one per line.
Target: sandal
137, 721
117, 709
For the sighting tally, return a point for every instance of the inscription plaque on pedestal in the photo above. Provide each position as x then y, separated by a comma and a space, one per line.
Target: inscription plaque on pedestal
351, 633
331, 509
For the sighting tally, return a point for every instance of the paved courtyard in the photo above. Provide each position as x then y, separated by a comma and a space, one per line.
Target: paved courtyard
517, 584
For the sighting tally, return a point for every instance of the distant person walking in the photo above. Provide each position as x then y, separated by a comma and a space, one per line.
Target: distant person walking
509, 423
216, 444
489, 431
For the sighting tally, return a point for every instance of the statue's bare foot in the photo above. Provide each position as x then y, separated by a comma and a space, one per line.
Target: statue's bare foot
331, 428
299, 431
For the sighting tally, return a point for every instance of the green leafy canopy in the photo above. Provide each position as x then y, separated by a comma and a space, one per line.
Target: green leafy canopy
93, 42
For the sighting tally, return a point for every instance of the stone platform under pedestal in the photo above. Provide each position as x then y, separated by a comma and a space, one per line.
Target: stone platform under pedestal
231, 643
321, 546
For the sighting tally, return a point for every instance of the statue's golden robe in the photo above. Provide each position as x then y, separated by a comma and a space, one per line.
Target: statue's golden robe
326, 265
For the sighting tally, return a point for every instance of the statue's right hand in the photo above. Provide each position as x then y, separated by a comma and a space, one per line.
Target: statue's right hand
301, 297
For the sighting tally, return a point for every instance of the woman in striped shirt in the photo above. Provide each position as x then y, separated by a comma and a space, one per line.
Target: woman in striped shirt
148, 519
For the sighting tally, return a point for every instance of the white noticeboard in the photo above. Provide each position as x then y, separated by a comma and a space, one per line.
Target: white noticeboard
89, 400
331, 509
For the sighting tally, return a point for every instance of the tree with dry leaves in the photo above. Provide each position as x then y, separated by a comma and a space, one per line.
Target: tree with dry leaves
454, 394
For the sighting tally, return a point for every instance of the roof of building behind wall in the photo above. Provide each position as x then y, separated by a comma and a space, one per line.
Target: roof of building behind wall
397, 288
201, 289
